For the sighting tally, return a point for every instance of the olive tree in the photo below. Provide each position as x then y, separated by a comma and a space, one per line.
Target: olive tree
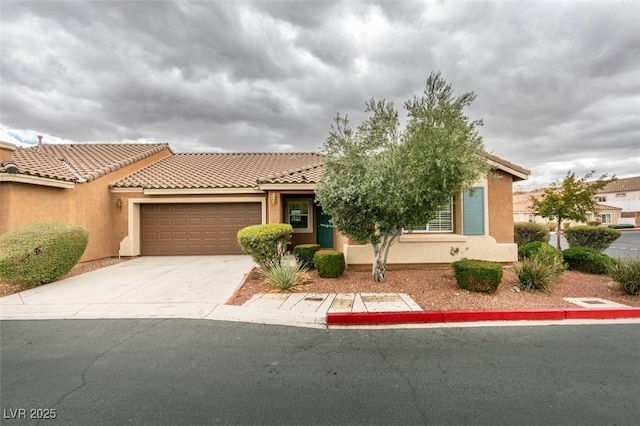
379, 178
572, 199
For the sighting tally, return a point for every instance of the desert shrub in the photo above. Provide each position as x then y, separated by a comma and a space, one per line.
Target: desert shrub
266, 244
304, 254
477, 275
587, 260
534, 247
540, 270
329, 263
40, 253
595, 237
626, 272
566, 225
527, 232
594, 223
621, 226
284, 274
552, 226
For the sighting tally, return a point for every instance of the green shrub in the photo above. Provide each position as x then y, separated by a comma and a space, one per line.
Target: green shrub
40, 253
626, 273
527, 232
594, 223
266, 244
477, 275
595, 237
329, 263
552, 226
284, 274
534, 247
540, 270
621, 226
587, 260
304, 254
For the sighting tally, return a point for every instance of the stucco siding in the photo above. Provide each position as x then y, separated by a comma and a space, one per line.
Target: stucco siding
500, 199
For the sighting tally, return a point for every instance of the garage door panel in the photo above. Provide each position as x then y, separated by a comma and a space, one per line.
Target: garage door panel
193, 229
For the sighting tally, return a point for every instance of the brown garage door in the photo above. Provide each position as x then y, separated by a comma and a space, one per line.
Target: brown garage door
183, 229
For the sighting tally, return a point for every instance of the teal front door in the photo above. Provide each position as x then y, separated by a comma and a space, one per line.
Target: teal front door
324, 230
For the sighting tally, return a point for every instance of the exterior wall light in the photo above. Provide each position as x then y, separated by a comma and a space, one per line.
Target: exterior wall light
119, 204
273, 198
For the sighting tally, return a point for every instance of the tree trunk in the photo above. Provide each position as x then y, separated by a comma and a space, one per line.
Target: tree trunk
558, 232
380, 255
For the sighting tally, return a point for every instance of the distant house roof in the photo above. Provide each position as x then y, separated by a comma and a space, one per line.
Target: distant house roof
622, 185
77, 162
522, 202
225, 170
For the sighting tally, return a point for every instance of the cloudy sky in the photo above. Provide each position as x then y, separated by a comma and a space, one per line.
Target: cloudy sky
557, 83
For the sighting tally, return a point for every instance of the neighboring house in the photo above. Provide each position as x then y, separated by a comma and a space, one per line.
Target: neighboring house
623, 193
143, 199
522, 211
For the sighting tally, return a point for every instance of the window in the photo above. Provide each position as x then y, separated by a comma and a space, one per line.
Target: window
530, 217
621, 194
601, 198
605, 218
299, 215
443, 222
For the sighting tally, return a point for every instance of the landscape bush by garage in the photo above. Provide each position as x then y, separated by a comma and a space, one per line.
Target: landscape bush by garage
304, 254
626, 273
329, 263
477, 275
40, 253
621, 226
595, 237
587, 260
266, 244
527, 232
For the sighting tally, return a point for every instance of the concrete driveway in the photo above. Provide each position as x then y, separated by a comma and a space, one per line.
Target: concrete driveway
145, 287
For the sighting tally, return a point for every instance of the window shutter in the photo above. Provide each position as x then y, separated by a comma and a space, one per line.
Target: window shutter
473, 211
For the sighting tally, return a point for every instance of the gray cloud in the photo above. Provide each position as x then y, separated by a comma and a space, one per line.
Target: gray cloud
556, 82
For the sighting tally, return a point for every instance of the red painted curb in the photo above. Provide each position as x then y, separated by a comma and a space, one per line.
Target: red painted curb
604, 313
417, 317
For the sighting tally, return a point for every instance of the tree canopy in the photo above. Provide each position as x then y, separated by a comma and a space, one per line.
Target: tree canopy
380, 178
573, 199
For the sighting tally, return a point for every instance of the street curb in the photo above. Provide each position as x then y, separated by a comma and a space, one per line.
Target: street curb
413, 317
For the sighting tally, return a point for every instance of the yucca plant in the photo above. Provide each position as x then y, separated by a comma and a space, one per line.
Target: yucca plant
284, 274
627, 274
539, 271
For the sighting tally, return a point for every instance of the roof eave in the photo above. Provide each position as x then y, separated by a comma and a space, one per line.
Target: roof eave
36, 180
200, 191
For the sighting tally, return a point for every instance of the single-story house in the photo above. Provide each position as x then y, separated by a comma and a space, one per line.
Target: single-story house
522, 211
144, 199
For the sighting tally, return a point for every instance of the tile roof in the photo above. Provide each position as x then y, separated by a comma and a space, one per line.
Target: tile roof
308, 174
77, 162
522, 204
622, 185
224, 170
506, 163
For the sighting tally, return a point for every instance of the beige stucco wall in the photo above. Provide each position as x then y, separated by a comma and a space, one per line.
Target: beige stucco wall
91, 205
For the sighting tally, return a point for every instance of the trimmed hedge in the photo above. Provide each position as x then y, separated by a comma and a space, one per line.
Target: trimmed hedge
42, 252
621, 226
595, 237
329, 263
266, 244
527, 232
533, 248
304, 254
477, 275
587, 260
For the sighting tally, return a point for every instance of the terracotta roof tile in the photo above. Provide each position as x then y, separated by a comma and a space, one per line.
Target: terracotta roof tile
622, 185
218, 170
79, 162
506, 163
308, 174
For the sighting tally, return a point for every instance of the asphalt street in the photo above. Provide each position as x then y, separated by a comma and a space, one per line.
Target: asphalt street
167, 372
